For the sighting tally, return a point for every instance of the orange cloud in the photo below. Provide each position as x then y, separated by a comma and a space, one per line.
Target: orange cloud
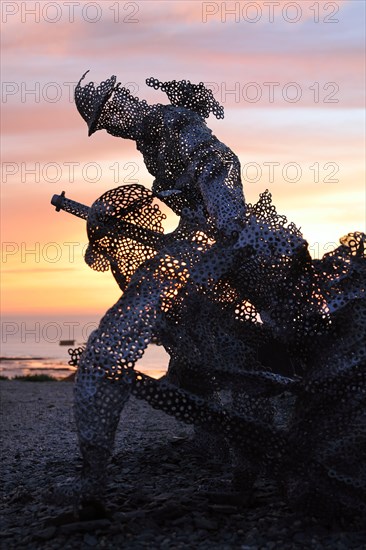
171, 41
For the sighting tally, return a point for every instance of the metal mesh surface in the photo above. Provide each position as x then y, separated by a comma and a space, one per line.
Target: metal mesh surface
234, 297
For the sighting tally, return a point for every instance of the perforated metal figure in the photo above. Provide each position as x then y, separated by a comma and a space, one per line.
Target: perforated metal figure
199, 291
199, 178
195, 174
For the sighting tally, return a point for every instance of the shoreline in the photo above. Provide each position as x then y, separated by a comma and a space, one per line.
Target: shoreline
154, 363
39, 377
160, 493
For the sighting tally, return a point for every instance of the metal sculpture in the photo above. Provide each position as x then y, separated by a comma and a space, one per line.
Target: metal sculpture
232, 280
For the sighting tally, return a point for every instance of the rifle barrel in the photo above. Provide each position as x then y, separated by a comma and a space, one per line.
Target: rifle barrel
72, 207
130, 230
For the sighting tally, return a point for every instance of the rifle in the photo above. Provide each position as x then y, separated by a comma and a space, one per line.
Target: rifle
117, 226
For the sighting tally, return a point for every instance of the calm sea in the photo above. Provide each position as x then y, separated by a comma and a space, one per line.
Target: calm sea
31, 345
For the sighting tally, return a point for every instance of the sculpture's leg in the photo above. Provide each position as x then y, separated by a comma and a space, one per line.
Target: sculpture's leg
98, 406
246, 471
105, 373
206, 443
263, 444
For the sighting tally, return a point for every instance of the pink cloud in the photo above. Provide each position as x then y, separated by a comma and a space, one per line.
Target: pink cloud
171, 41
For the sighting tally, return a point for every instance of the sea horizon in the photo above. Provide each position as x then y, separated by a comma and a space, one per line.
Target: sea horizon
30, 344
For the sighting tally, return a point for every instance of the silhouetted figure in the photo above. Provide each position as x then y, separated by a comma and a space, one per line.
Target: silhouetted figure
233, 296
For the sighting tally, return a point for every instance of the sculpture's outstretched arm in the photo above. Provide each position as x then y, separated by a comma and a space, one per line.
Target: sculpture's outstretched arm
214, 171
220, 185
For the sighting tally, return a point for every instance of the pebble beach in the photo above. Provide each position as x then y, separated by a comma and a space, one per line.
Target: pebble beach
161, 492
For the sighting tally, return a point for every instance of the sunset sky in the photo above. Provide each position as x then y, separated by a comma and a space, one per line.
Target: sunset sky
290, 76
